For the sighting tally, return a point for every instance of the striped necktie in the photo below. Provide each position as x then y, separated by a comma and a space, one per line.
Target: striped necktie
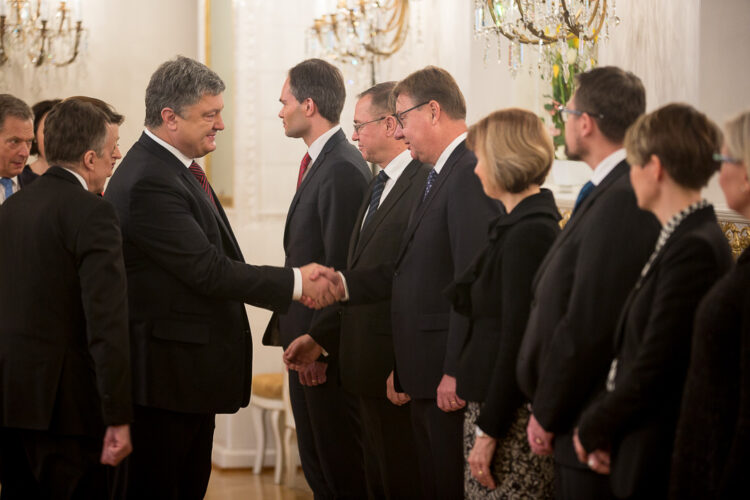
8, 185
377, 192
200, 176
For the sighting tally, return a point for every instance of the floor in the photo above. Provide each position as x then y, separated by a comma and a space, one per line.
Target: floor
236, 484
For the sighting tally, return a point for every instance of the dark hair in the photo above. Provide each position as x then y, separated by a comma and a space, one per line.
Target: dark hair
113, 116
381, 95
15, 107
683, 139
617, 95
72, 128
40, 109
177, 84
322, 82
434, 84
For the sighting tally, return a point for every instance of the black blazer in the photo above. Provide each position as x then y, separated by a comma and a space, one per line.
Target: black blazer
64, 357
711, 455
362, 335
638, 418
445, 232
187, 281
319, 223
495, 292
579, 291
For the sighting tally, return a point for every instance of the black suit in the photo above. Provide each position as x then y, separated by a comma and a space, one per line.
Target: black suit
578, 292
362, 338
638, 418
190, 338
64, 356
446, 231
318, 225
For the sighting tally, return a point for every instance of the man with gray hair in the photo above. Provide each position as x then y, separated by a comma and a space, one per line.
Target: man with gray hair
187, 283
16, 137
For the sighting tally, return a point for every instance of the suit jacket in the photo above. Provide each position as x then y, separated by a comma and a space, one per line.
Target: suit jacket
361, 335
495, 292
64, 356
187, 281
319, 223
579, 291
638, 418
446, 231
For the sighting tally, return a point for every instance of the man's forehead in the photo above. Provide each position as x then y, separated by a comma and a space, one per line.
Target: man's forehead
20, 127
403, 101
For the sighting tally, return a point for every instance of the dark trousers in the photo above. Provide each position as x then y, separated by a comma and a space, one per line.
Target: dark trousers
390, 452
572, 483
41, 465
439, 439
171, 456
328, 437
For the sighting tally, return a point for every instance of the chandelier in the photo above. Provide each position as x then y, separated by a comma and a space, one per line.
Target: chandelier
539, 31
360, 32
40, 31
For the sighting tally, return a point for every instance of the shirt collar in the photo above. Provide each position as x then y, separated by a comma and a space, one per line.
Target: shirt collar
176, 152
79, 177
396, 167
606, 166
317, 146
448, 151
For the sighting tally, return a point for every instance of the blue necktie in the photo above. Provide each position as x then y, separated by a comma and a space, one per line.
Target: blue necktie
583, 193
430, 181
377, 192
8, 185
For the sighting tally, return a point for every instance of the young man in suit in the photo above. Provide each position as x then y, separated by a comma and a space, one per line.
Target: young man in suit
65, 378
331, 184
187, 283
582, 284
446, 230
16, 138
361, 336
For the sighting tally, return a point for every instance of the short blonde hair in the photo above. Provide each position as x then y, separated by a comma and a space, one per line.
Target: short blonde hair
516, 146
738, 138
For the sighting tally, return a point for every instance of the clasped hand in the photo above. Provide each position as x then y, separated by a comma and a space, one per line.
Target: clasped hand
321, 286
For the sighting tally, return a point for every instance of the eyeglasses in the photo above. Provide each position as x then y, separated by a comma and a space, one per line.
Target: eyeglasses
567, 111
358, 126
725, 159
400, 116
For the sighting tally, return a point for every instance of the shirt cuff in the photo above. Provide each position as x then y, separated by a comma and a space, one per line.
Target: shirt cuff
297, 293
346, 288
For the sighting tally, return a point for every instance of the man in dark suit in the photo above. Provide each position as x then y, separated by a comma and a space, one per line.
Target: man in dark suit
65, 393
187, 282
331, 184
583, 282
361, 336
16, 138
446, 230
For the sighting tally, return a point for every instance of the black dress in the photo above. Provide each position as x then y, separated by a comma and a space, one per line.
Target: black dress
495, 292
712, 448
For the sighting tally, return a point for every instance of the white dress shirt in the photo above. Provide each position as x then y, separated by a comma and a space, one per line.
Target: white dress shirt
606, 166
394, 170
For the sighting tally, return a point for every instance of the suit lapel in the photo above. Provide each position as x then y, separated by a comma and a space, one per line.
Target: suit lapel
354, 239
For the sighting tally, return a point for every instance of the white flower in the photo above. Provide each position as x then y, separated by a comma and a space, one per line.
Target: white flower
572, 56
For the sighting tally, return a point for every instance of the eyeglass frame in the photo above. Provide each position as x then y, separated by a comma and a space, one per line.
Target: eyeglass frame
562, 109
399, 116
358, 126
725, 159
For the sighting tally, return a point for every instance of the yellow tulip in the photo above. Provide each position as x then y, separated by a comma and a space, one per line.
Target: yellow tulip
576, 41
555, 70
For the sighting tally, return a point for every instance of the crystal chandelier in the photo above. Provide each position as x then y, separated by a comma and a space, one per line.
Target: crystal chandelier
537, 31
44, 31
360, 31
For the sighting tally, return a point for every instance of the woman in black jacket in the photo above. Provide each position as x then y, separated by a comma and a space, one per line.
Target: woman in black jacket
514, 154
711, 458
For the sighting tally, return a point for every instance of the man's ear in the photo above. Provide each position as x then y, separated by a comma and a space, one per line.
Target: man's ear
310, 107
390, 126
169, 118
89, 157
436, 110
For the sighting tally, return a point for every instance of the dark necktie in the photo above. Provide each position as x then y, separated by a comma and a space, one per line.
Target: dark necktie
8, 185
582, 194
200, 176
303, 168
430, 180
377, 192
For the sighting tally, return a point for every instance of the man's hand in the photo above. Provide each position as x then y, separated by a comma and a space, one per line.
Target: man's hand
540, 440
116, 444
312, 374
447, 400
316, 289
302, 351
597, 460
397, 398
480, 459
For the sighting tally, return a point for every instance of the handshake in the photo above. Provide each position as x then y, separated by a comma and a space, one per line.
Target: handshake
321, 286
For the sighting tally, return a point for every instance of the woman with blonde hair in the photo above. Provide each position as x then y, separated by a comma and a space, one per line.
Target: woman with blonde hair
514, 155
712, 448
